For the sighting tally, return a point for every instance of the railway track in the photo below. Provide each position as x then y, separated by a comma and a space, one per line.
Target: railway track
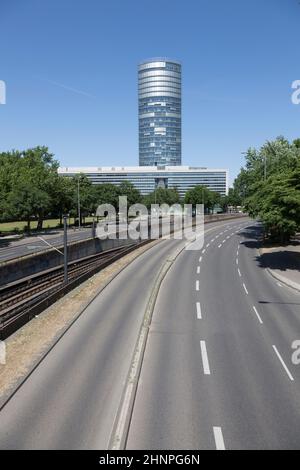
24, 299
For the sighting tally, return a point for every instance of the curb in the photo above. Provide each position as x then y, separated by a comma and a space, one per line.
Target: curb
284, 280
121, 427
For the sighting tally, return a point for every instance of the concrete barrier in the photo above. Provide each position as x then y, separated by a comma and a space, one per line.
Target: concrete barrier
19, 268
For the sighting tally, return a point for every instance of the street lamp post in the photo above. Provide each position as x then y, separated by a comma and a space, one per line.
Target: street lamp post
78, 199
65, 250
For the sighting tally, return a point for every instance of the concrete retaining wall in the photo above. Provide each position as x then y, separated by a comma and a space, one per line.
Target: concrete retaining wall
23, 267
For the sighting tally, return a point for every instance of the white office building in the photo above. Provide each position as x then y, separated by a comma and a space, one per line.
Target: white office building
148, 178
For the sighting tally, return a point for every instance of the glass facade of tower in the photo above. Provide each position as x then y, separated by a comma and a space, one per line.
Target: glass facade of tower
159, 113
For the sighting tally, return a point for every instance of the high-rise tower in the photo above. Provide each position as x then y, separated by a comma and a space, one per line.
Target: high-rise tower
159, 112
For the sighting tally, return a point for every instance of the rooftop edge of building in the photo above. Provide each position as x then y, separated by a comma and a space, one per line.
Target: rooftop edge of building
140, 169
160, 59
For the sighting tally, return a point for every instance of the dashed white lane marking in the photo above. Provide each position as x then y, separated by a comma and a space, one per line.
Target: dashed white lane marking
245, 288
220, 245
197, 285
200, 259
224, 241
220, 445
198, 269
206, 368
283, 364
208, 245
203, 251
237, 261
239, 271
258, 315
199, 312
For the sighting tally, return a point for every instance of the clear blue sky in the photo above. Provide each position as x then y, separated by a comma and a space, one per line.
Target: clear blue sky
70, 67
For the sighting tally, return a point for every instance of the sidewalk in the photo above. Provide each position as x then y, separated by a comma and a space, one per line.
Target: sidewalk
283, 263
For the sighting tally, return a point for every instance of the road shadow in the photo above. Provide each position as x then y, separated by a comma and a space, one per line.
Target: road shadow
4, 243
280, 260
251, 237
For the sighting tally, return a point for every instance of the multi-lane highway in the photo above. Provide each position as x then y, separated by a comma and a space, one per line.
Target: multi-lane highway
217, 369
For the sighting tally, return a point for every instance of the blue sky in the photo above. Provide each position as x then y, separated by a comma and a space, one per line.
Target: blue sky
70, 68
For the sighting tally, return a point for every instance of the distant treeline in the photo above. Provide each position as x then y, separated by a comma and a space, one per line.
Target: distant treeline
32, 189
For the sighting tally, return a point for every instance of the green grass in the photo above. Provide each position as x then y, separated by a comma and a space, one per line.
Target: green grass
21, 225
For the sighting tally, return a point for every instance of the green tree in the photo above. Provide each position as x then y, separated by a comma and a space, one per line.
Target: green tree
268, 187
106, 193
62, 195
202, 195
83, 188
232, 199
272, 158
277, 203
160, 196
30, 181
128, 189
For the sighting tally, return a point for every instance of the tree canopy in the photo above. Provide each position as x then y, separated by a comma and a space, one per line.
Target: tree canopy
202, 195
269, 186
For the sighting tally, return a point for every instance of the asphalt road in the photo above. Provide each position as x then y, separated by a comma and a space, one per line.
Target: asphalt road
213, 375
217, 371
11, 249
71, 399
